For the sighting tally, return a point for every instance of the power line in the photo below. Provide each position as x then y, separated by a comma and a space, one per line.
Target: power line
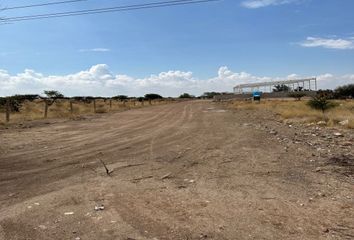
41, 4
105, 10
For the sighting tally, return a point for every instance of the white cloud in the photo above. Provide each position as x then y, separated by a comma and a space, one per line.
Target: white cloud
333, 43
265, 3
95, 50
100, 81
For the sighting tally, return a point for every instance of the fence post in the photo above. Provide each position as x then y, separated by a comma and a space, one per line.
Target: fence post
45, 109
71, 107
8, 110
94, 105
110, 104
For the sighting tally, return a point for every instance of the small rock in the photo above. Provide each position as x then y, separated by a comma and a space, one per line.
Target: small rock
77, 238
42, 227
318, 169
321, 123
69, 213
338, 134
344, 123
191, 181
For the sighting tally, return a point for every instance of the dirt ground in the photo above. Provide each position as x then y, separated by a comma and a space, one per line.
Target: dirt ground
189, 170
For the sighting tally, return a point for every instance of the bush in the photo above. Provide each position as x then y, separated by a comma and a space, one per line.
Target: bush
120, 97
152, 96
281, 88
186, 95
321, 103
16, 101
346, 91
297, 95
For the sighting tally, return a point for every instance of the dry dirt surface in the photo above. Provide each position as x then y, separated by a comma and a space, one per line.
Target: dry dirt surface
188, 170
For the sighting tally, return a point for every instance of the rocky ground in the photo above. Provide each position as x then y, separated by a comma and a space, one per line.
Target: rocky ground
190, 170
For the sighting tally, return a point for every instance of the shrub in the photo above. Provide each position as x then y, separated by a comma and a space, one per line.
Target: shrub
186, 95
120, 97
346, 91
281, 88
297, 95
321, 103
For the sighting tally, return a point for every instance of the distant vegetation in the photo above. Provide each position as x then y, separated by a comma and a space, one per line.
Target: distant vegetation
281, 88
152, 96
186, 95
210, 95
297, 95
52, 103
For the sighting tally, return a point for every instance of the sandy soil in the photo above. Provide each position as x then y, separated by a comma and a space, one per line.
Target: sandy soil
190, 170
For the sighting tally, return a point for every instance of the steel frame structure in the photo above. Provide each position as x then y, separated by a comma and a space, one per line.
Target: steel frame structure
308, 84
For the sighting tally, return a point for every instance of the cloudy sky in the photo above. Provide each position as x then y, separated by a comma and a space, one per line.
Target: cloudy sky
192, 48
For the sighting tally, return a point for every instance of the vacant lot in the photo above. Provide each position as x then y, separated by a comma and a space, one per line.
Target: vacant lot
190, 170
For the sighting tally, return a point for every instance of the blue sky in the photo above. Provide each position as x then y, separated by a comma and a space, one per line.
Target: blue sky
192, 48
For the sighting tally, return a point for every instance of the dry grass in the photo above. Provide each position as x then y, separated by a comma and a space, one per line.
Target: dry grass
298, 111
61, 109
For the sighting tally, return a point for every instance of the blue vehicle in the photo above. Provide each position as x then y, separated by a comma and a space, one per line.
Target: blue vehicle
256, 95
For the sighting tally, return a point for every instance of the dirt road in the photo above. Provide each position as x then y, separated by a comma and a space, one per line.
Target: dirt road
189, 170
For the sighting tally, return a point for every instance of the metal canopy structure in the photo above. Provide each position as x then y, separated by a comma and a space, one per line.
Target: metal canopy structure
308, 84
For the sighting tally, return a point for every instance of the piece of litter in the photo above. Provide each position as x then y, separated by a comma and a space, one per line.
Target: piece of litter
69, 213
99, 208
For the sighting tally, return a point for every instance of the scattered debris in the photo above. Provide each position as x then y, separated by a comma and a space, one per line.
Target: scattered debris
130, 165
321, 123
108, 172
141, 178
99, 207
168, 175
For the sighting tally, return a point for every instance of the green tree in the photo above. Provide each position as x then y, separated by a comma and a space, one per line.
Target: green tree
346, 91
186, 95
52, 94
281, 88
152, 96
120, 97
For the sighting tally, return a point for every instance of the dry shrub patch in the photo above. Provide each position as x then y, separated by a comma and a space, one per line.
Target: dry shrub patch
299, 111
